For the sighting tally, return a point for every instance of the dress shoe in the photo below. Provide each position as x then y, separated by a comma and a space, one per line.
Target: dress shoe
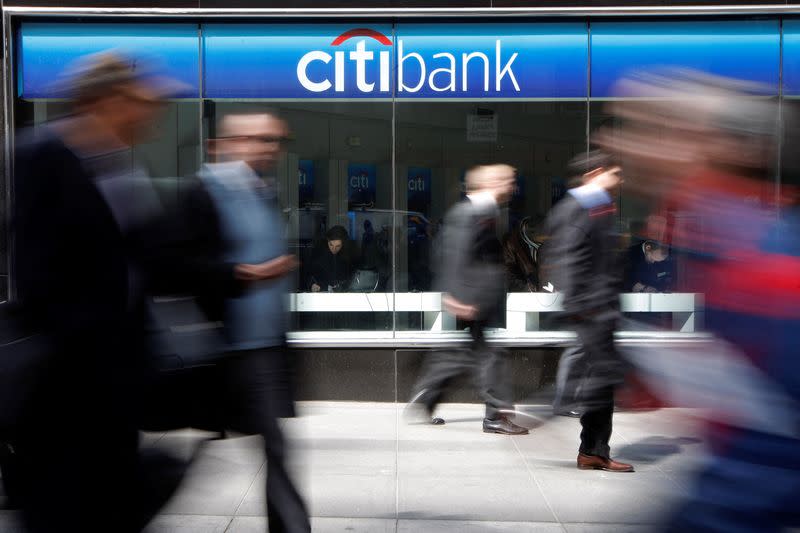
595, 462
418, 413
502, 425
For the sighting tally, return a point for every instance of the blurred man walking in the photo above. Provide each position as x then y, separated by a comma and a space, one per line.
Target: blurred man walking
581, 261
472, 280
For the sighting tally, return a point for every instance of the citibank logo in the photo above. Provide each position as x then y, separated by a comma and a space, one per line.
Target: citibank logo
442, 71
360, 56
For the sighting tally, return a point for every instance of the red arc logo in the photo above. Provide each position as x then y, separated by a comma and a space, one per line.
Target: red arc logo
361, 32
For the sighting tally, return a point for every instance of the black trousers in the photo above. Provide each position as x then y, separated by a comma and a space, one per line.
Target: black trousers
487, 365
257, 391
603, 369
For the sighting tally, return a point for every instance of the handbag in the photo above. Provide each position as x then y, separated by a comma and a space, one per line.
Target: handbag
181, 335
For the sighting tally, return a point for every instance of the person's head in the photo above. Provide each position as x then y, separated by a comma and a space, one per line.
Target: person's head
596, 168
122, 94
655, 252
497, 180
336, 237
255, 138
671, 123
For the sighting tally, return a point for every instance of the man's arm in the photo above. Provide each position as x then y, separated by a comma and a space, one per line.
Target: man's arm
456, 243
569, 262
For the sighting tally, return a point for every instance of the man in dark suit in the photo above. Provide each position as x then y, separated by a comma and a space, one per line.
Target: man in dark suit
471, 277
582, 264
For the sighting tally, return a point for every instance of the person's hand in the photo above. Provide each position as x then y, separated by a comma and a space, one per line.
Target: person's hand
459, 309
274, 268
315, 288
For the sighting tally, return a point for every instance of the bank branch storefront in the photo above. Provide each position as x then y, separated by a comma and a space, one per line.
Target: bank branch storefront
387, 111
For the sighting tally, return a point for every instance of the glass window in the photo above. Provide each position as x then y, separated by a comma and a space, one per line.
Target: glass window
388, 118
436, 144
334, 183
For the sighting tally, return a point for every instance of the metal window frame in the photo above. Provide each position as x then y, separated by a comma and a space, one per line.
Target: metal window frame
388, 339
450, 12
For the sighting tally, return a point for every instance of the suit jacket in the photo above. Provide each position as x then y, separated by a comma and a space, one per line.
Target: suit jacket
471, 262
581, 261
72, 266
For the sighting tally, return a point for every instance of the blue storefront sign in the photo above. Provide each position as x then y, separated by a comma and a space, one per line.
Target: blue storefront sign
791, 57
527, 60
745, 49
47, 49
409, 61
297, 61
406, 61
361, 185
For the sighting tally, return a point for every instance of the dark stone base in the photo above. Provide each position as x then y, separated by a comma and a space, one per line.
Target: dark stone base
388, 375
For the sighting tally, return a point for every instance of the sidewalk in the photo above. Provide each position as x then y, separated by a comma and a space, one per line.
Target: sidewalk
362, 469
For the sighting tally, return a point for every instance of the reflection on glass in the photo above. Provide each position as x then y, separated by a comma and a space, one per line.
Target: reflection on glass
437, 142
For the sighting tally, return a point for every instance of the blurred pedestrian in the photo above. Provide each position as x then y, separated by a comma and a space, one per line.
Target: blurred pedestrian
583, 265
716, 137
79, 280
256, 372
471, 277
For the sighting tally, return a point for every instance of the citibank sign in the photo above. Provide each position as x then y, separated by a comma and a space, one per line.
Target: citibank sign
439, 72
307, 61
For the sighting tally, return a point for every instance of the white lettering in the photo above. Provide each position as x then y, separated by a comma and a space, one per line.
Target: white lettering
452, 71
361, 56
465, 70
500, 73
338, 77
416, 184
401, 86
302, 75
384, 75
360, 181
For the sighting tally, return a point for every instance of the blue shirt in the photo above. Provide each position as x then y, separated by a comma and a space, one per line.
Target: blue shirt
254, 232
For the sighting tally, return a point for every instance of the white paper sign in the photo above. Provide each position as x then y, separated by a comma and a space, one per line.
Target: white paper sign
482, 128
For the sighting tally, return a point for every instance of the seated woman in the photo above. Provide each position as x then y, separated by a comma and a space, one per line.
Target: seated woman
332, 266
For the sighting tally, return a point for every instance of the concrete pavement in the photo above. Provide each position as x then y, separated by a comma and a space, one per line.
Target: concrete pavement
362, 469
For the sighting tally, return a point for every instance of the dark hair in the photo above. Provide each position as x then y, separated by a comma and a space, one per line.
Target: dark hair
583, 164
336, 233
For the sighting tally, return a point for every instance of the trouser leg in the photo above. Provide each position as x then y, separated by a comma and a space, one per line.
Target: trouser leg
596, 423
257, 392
286, 511
491, 374
603, 371
440, 368
568, 379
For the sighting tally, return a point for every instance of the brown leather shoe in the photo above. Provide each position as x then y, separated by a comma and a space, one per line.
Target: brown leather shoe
503, 425
595, 462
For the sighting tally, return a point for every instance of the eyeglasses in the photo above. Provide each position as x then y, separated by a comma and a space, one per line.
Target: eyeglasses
266, 139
